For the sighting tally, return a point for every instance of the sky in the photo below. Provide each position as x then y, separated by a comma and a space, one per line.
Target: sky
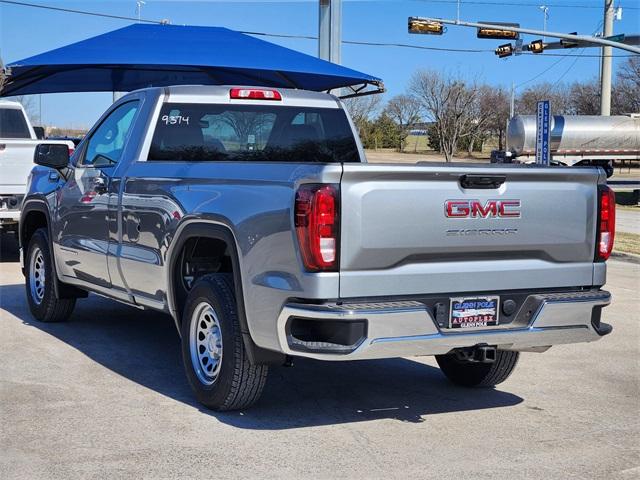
28, 31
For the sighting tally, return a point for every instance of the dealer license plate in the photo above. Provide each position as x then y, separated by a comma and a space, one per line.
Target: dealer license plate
474, 312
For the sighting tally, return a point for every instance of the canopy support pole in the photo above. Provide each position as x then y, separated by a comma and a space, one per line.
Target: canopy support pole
330, 30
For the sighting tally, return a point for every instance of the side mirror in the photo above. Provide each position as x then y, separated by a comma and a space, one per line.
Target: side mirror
52, 155
39, 131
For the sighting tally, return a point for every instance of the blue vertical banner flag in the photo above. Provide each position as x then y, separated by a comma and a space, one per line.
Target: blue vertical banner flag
543, 133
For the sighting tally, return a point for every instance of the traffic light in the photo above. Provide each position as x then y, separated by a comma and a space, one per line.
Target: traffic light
505, 50
429, 27
537, 46
492, 32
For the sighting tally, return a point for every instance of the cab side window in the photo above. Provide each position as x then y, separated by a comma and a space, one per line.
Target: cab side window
107, 141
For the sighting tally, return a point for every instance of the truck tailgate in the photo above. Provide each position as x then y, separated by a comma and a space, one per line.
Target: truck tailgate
416, 229
16, 162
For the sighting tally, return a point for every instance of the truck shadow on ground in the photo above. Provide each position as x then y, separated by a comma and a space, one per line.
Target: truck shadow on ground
144, 347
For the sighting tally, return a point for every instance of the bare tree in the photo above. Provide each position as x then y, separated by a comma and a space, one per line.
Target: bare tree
493, 103
626, 89
451, 103
363, 110
405, 111
29, 104
630, 72
4, 75
3, 78
557, 95
584, 98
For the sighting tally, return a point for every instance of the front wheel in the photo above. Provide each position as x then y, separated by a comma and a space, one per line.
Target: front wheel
213, 352
39, 280
474, 374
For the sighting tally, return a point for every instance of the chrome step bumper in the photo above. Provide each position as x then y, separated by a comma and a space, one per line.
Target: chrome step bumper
401, 329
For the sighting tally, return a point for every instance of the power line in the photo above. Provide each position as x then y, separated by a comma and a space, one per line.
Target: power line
563, 57
264, 34
276, 35
565, 73
519, 4
541, 73
80, 12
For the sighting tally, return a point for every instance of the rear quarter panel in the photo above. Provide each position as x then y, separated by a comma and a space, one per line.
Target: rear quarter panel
253, 200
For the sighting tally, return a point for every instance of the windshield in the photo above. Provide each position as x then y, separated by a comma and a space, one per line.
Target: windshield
13, 124
205, 132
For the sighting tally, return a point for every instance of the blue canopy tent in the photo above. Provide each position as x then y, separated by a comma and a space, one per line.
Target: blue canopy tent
139, 56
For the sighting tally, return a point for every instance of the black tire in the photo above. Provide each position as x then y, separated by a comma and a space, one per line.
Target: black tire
42, 299
238, 384
471, 374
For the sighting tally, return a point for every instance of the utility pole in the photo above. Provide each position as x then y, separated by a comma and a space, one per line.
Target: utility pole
512, 109
605, 70
330, 30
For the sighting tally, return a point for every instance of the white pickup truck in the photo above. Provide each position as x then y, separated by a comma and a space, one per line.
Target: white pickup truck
18, 141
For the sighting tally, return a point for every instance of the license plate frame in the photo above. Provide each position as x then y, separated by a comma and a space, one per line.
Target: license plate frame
474, 312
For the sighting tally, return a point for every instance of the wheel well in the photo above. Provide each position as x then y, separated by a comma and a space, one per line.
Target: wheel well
198, 256
212, 249
32, 221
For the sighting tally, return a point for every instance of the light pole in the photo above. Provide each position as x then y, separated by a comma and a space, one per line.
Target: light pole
545, 17
139, 4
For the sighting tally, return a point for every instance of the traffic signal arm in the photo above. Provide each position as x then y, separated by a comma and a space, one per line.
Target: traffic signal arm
629, 43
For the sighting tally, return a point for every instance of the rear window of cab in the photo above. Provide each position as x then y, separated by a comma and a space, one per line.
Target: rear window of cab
261, 133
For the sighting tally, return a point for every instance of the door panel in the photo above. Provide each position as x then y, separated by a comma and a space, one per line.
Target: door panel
82, 239
149, 213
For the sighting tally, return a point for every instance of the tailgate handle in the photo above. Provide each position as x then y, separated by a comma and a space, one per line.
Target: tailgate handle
482, 181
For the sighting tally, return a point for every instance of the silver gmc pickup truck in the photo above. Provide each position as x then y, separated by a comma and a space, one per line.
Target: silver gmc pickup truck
251, 217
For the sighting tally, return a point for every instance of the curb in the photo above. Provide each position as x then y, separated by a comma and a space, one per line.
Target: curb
626, 257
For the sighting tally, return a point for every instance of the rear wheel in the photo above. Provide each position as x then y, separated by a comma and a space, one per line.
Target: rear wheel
39, 280
474, 374
215, 360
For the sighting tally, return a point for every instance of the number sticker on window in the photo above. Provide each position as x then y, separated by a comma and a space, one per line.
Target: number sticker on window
175, 120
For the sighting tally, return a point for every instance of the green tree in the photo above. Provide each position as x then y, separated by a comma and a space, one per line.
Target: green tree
386, 132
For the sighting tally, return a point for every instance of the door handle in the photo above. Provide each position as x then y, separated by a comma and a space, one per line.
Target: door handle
482, 181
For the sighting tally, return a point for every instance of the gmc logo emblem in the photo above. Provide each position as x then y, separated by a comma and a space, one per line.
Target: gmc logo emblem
477, 209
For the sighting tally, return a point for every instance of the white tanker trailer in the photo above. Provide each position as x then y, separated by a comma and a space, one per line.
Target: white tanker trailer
575, 140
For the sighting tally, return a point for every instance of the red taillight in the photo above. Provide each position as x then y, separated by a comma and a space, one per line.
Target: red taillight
254, 94
71, 150
317, 226
607, 222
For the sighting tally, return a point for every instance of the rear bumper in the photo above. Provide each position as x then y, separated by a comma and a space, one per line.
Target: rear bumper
399, 329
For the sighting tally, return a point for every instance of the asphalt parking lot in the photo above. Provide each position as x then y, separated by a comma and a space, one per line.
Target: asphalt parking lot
104, 396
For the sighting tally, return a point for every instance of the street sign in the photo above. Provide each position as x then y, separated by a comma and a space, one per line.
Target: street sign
543, 133
616, 38
518, 50
569, 43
